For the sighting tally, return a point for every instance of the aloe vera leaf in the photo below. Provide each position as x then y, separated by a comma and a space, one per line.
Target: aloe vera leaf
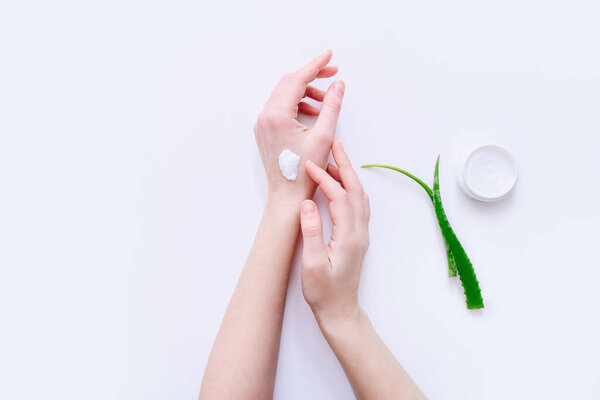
451, 262
466, 273
411, 176
452, 272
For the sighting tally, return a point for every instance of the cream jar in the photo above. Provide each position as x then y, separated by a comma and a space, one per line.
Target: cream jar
488, 173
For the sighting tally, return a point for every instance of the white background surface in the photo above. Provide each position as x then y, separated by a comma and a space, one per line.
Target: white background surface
131, 189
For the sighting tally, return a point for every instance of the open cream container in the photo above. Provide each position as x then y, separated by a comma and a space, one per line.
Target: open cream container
488, 173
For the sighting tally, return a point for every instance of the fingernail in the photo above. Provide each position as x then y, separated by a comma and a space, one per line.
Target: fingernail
339, 87
308, 207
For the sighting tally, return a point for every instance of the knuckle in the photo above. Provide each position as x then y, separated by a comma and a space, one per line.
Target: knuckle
259, 124
261, 121
312, 230
345, 162
343, 200
360, 203
333, 105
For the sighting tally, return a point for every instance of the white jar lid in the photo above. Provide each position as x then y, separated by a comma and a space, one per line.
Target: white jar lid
488, 173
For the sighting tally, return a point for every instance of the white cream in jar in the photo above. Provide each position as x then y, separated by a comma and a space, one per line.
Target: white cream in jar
488, 173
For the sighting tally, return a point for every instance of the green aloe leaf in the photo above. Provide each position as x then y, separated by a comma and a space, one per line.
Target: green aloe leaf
458, 261
452, 271
451, 264
466, 273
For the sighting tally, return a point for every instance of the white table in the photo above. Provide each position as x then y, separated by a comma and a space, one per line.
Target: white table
125, 219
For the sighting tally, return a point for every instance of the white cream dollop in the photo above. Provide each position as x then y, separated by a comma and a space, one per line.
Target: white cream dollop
288, 164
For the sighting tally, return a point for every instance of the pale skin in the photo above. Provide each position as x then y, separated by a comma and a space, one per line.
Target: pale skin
243, 361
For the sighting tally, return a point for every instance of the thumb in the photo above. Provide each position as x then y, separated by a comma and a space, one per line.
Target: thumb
330, 110
314, 254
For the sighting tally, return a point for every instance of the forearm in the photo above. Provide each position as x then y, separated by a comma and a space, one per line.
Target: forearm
243, 361
371, 368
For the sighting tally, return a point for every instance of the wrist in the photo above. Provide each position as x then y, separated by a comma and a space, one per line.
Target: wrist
283, 209
335, 325
286, 198
284, 202
291, 192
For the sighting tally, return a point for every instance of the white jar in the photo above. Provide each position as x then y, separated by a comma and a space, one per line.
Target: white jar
488, 173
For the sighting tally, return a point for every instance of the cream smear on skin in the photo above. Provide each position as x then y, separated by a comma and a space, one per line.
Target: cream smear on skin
288, 164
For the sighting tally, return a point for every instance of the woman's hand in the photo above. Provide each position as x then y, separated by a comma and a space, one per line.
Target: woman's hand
277, 127
330, 277
330, 274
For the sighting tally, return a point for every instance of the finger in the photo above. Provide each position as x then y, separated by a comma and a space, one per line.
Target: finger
349, 178
292, 86
328, 71
314, 253
309, 72
307, 109
332, 104
328, 185
333, 171
314, 93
